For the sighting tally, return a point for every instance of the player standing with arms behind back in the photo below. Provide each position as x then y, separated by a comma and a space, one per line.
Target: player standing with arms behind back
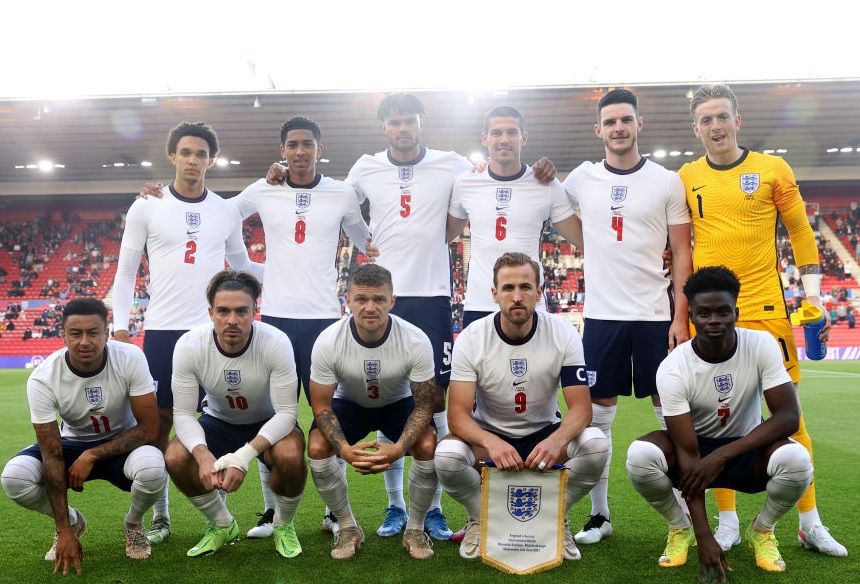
736, 197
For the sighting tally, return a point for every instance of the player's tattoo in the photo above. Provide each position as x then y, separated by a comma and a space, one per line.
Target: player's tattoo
126, 442
54, 469
423, 394
808, 269
329, 425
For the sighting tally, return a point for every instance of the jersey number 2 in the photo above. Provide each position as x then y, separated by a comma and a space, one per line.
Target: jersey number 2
190, 250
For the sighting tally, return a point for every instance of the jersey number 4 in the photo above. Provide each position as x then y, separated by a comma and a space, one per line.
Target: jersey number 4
617, 226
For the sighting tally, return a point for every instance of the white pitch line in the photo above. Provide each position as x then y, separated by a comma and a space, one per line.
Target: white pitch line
834, 373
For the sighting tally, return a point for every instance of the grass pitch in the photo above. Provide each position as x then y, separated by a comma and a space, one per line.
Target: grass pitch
830, 395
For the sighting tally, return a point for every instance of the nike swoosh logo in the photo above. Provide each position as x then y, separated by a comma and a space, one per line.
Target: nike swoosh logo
404, 187
723, 399
500, 207
516, 383
790, 368
614, 208
444, 372
697, 188
300, 211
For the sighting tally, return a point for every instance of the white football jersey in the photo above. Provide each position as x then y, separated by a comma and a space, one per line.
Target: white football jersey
91, 406
302, 227
377, 375
186, 241
408, 209
724, 399
625, 222
517, 381
258, 384
505, 214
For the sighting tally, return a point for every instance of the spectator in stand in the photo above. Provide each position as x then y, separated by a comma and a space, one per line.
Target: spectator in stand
28, 334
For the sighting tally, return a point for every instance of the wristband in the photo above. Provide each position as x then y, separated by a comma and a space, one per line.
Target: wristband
811, 284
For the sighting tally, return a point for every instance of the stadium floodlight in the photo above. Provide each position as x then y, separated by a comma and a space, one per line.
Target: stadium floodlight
46, 165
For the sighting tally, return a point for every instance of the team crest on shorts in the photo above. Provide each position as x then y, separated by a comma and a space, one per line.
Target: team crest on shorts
523, 502
503, 194
750, 182
405, 173
592, 378
618, 194
233, 376
303, 200
94, 395
723, 383
519, 367
192, 218
371, 368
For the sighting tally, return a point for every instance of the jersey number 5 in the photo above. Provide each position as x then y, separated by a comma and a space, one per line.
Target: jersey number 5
405, 208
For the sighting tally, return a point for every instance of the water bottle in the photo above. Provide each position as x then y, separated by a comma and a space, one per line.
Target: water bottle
812, 319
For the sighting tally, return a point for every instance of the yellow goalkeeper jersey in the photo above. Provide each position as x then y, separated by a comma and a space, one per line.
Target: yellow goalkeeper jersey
735, 209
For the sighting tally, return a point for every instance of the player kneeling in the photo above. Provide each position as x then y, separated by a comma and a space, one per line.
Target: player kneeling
249, 375
711, 388
105, 398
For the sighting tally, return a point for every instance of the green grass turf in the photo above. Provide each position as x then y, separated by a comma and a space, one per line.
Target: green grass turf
830, 394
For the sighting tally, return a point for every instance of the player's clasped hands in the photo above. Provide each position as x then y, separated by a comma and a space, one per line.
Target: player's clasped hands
543, 456
504, 456
366, 457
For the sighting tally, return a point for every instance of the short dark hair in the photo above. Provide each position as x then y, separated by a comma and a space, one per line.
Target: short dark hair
404, 103
300, 123
505, 111
85, 307
372, 276
513, 259
712, 279
233, 280
617, 96
709, 92
196, 129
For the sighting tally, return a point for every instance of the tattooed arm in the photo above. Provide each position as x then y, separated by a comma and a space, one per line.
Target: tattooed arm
423, 394
69, 550
145, 411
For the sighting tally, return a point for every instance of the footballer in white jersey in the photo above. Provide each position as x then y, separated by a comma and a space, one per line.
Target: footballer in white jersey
302, 225
723, 398
503, 402
408, 208
711, 388
626, 216
629, 208
372, 374
249, 376
93, 406
186, 241
104, 397
505, 213
517, 379
372, 371
258, 385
